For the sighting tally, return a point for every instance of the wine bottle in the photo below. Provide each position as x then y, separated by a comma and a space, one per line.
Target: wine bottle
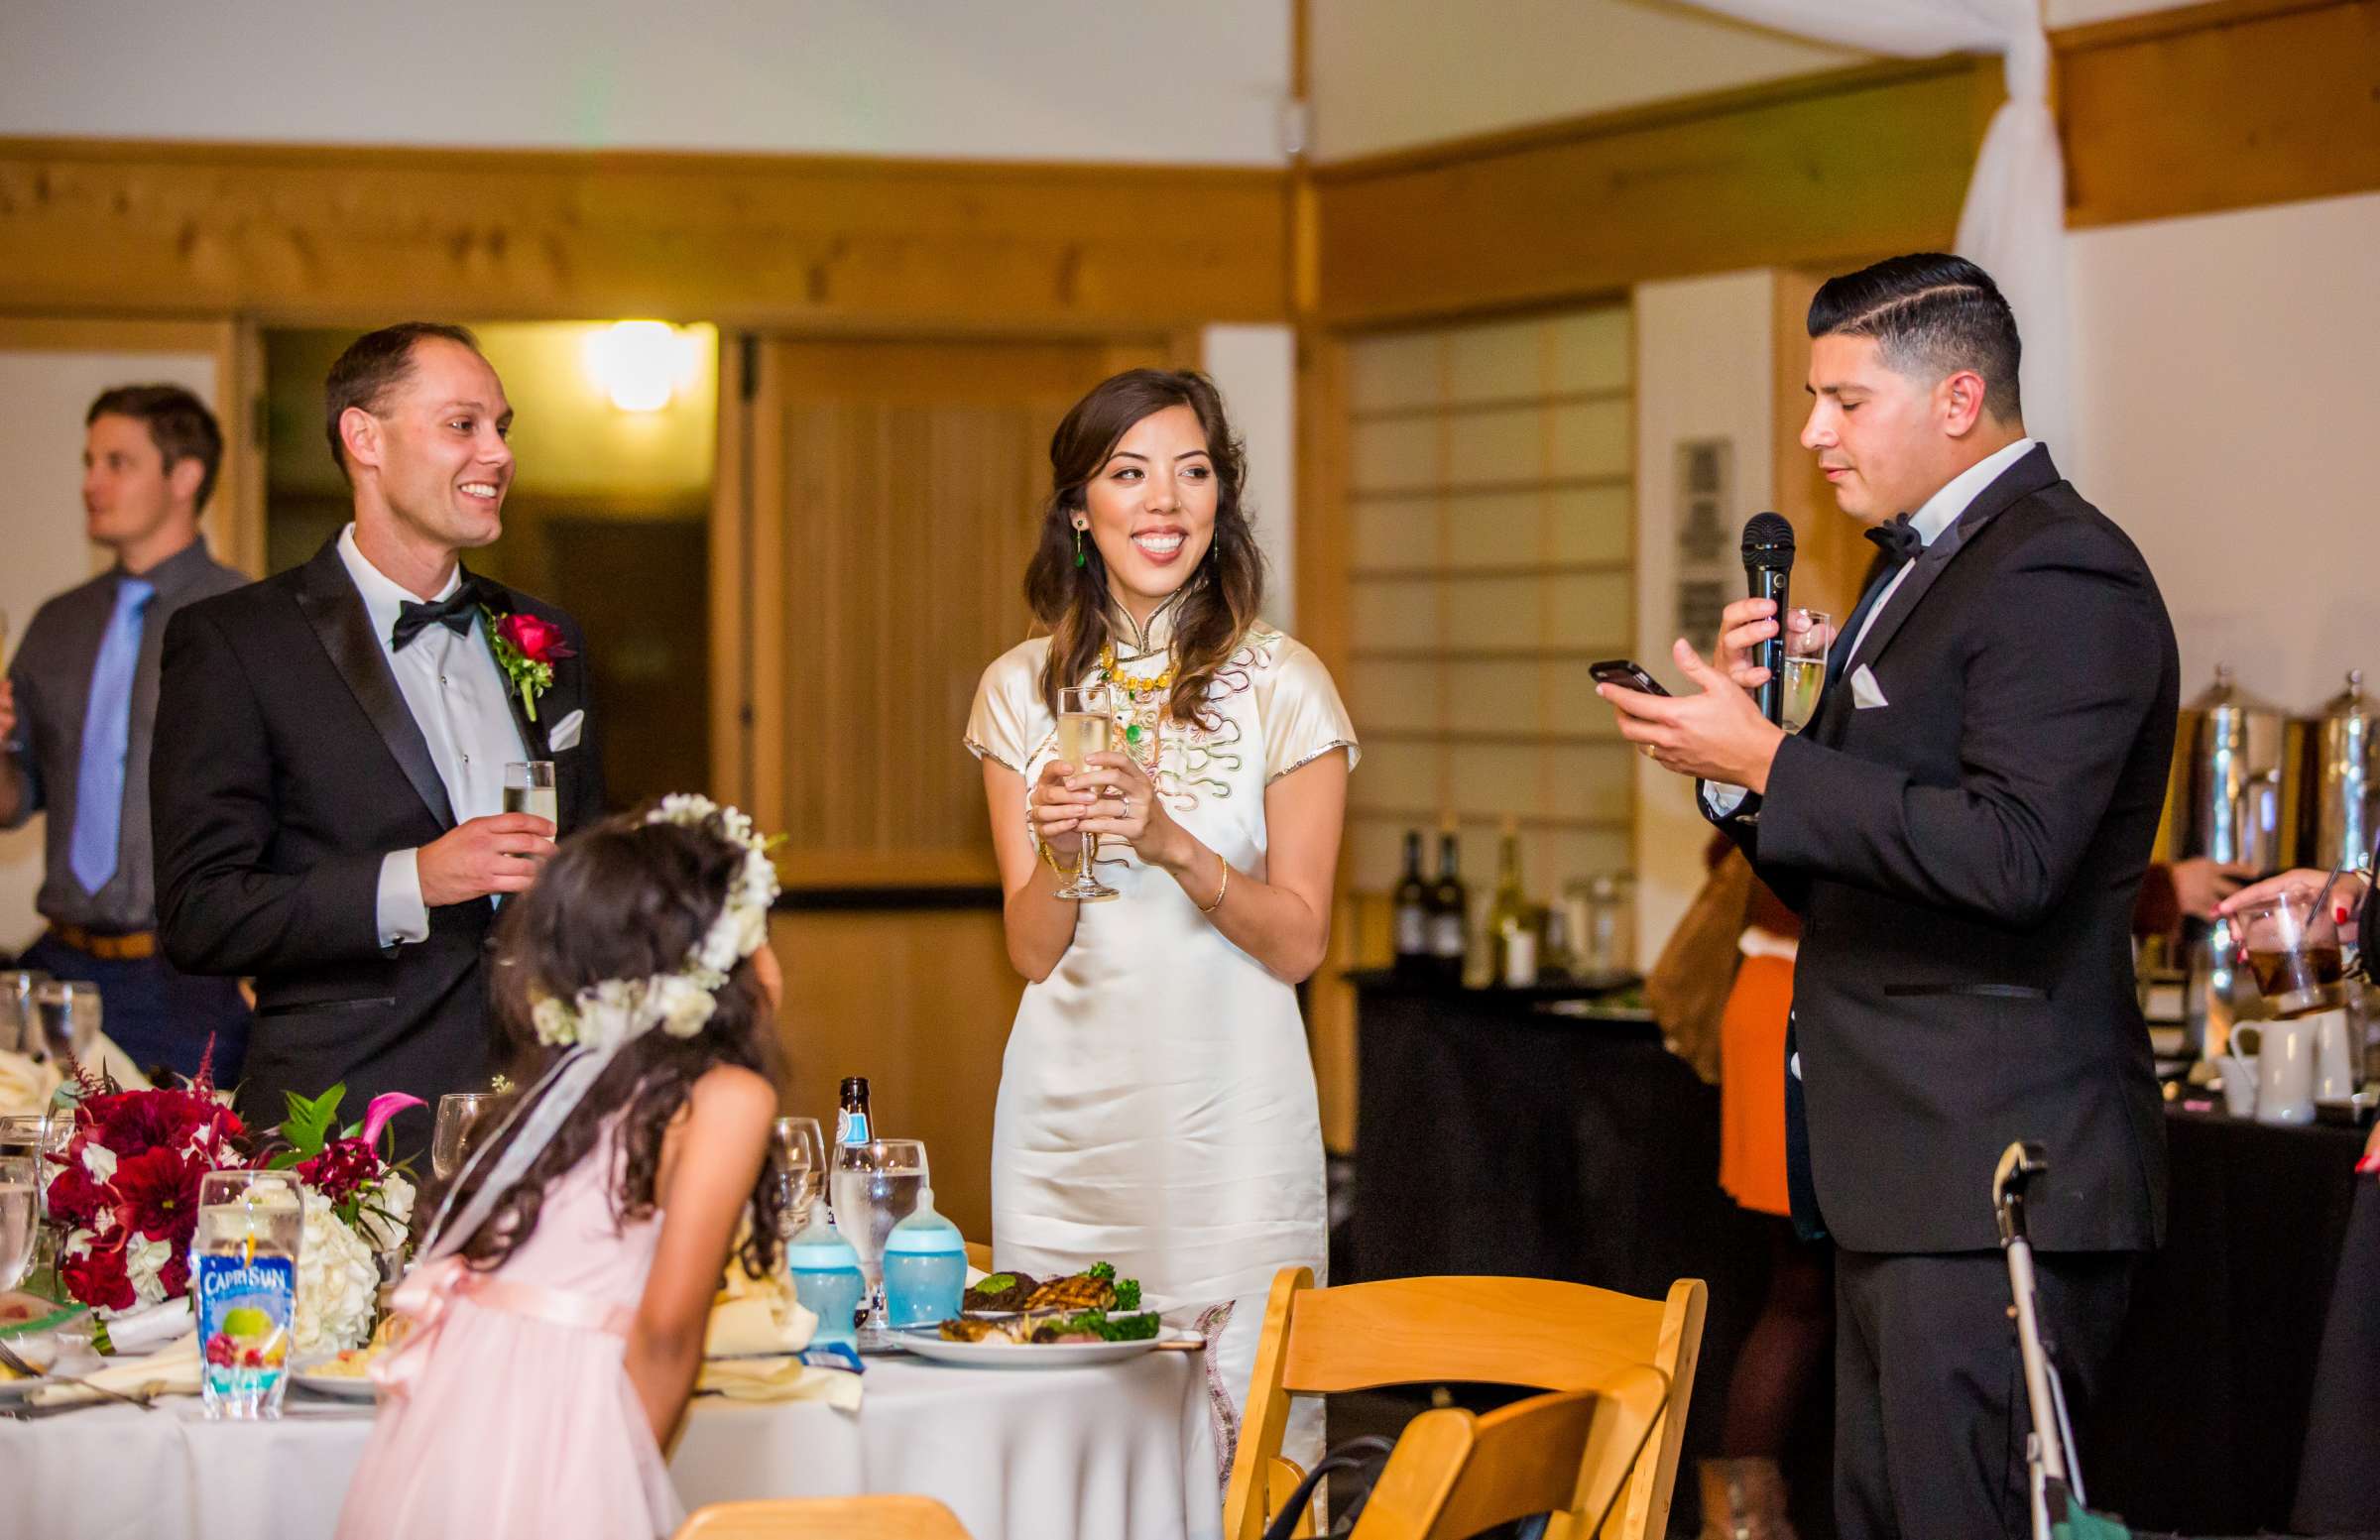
1412, 913
1511, 925
1450, 908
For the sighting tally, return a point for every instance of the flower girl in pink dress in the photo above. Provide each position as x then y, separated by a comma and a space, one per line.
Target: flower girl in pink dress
555, 1317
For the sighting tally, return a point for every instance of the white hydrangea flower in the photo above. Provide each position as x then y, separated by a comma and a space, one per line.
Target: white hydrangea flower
338, 1283
683, 1005
386, 1213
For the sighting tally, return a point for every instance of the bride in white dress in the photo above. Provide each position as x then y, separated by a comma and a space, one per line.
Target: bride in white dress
1156, 1106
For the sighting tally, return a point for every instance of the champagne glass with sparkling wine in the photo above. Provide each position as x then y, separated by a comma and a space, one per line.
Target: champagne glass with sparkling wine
1083, 731
529, 788
1805, 667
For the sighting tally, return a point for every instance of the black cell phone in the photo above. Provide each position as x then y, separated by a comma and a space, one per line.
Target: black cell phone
1625, 674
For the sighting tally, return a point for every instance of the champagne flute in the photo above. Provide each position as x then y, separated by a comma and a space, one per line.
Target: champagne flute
66, 1012
459, 1113
1083, 731
1805, 667
529, 788
876, 1187
801, 1171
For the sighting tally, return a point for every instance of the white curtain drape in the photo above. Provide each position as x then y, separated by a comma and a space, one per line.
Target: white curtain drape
2013, 223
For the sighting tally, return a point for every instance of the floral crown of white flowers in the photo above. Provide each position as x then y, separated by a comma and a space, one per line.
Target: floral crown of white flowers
612, 1012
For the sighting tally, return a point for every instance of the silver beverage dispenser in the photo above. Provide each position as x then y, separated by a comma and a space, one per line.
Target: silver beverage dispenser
2343, 780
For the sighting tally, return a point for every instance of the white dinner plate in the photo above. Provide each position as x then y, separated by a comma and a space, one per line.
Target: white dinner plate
928, 1343
345, 1387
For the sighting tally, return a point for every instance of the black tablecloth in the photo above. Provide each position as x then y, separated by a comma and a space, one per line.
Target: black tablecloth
1495, 1140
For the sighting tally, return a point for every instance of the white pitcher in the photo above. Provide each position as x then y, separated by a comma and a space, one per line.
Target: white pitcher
2283, 1067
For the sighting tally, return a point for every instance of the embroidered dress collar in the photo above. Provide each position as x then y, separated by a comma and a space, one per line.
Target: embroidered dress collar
1150, 644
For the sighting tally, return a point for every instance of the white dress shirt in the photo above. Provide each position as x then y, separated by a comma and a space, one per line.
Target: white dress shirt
456, 695
1938, 514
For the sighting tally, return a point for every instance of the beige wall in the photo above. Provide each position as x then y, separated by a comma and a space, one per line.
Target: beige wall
1703, 371
1393, 74
43, 398
1046, 79
2224, 399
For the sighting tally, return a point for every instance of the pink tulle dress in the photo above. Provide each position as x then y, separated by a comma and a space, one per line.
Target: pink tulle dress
506, 1411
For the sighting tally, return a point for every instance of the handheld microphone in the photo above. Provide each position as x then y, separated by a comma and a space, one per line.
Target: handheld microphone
1767, 563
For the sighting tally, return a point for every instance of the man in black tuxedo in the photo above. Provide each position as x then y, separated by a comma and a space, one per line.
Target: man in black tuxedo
1963, 826
328, 778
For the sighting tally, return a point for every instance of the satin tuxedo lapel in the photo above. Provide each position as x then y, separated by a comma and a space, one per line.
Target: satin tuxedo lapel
533, 734
330, 604
2027, 476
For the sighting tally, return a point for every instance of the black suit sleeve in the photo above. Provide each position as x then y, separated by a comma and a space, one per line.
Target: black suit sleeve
213, 813
1742, 825
589, 754
2061, 676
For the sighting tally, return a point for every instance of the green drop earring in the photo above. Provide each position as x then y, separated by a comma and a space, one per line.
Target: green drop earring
1080, 559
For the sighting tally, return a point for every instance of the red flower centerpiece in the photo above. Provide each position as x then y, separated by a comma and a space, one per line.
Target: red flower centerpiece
126, 1189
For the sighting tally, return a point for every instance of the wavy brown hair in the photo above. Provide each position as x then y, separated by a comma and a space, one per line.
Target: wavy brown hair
623, 899
1217, 602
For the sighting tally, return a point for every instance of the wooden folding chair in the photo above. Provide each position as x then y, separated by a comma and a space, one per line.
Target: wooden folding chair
1530, 1332
1455, 1474
824, 1519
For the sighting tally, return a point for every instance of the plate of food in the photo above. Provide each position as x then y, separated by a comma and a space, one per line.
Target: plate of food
345, 1375
1012, 1320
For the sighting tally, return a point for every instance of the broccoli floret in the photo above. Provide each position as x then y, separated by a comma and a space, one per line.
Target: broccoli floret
1127, 1294
1107, 1328
1102, 1271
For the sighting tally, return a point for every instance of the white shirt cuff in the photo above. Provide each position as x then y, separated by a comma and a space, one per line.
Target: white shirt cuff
1722, 799
403, 917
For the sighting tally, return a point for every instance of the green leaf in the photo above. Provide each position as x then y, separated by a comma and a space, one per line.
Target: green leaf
309, 1121
282, 1161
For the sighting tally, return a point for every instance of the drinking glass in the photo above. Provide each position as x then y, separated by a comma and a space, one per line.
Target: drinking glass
801, 1171
876, 1187
529, 788
1084, 730
1805, 667
2295, 955
244, 1284
66, 1014
459, 1115
17, 1033
19, 1219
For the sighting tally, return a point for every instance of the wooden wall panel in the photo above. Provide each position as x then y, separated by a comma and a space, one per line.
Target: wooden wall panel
919, 1002
347, 234
2219, 107
894, 506
1813, 172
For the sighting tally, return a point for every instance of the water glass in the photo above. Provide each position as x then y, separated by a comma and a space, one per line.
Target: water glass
66, 1014
244, 1284
19, 1219
461, 1113
801, 1171
875, 1187
17, 1033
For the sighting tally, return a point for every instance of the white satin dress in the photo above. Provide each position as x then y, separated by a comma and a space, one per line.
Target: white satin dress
1156, 1105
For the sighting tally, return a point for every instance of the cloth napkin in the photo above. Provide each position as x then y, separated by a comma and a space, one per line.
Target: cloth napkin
175, 1367
145, 1329
756, 1316
25, 1087
779, 1379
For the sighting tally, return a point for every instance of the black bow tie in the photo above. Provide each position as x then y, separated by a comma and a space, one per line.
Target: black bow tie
455, 612
1897, 539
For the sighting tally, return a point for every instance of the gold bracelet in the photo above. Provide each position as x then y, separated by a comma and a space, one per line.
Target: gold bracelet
1049, 858
1220, 889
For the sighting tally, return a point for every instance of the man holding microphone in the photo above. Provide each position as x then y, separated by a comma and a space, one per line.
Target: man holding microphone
1963, 826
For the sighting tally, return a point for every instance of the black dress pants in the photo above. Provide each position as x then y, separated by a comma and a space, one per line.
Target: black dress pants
1930, 1411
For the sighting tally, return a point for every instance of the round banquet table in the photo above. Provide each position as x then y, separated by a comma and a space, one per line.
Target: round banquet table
1118, 1452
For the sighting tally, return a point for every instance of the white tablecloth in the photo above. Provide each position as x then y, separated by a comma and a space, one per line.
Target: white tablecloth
1116, 1453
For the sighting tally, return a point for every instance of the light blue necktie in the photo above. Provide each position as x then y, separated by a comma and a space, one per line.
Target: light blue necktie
107, 740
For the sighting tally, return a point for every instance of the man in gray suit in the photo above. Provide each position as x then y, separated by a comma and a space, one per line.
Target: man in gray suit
76, 713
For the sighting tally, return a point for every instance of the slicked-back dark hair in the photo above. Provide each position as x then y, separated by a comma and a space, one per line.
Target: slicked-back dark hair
374, 364
179, 424
1932, 316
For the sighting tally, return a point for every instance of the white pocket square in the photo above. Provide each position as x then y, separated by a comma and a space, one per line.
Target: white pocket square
566, 732
1865, 692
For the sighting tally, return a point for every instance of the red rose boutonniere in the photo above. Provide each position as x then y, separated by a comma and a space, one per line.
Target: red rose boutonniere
526, 648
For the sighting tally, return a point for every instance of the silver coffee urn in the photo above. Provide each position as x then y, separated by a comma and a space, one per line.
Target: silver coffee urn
2343, 780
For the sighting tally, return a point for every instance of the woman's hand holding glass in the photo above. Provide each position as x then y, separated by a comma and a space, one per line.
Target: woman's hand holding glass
1128, 808
1056, 810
